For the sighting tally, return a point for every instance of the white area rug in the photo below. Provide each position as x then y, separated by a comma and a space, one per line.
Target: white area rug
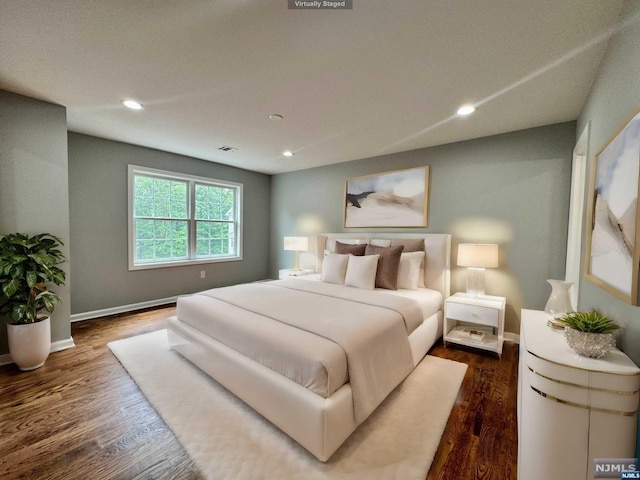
228, 440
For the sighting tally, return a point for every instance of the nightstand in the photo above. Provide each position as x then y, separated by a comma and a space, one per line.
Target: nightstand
476, 322
290, 272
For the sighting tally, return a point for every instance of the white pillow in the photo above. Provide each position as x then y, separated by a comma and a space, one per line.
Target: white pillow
409, 270
377, 242
334, 268
361, 271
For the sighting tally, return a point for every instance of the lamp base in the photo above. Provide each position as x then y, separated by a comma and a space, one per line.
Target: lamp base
475, 281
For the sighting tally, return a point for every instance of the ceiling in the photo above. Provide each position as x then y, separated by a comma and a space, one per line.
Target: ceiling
384, 77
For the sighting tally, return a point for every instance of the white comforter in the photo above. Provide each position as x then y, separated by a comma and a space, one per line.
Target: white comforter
372, 328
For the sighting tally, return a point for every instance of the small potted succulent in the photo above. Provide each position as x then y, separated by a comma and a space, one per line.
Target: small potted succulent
589, 333
28, 264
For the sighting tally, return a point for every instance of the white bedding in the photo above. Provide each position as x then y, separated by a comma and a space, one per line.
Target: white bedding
378, 353
430, 301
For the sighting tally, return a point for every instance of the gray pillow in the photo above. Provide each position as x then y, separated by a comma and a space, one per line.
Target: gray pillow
346, 249
388, 263
410, 244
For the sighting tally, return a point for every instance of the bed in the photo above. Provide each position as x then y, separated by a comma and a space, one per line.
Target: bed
314, 356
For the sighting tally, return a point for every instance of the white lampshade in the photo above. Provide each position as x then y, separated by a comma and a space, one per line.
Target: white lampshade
296, 244
479, 255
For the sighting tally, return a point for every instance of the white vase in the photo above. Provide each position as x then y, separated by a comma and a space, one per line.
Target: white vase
559, 302
30, 344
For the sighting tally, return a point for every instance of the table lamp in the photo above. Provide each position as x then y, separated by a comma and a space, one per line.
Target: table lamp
296, 244
476, 257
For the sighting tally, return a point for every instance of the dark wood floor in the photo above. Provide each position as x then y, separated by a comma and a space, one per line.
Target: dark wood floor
80, 416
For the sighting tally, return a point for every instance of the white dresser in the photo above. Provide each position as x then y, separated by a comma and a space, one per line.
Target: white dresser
571, 409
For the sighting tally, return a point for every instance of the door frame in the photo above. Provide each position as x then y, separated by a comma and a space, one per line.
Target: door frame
577, 214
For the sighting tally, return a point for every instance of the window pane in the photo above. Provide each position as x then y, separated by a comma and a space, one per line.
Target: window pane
143, 186
160, 198
162, 207
161, 240
179, 200
214, 239
144, 230
144, 250
214, 203
143, 206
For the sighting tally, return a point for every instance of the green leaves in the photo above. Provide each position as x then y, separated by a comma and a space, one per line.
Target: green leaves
49, 299
27, 265
591, 322
11, 287
23, 313
32, 278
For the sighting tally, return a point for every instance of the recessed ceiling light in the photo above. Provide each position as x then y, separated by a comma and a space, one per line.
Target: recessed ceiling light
288, 153
276, 117
132, 104
466, 110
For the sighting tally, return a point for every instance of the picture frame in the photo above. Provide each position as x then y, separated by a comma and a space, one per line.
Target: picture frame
391, 199
613, 253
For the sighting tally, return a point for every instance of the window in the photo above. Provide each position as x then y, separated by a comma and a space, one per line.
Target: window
177, 219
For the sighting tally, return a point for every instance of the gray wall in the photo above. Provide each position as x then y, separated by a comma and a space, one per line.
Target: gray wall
34, 192
510, 189
98, 196
614, 97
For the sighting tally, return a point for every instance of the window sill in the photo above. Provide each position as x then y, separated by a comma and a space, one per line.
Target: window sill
184, 263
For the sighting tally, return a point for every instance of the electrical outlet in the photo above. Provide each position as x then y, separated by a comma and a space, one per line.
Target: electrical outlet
203, 274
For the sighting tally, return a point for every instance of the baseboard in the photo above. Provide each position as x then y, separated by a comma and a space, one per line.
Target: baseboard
511, 337
78, 317
5, 359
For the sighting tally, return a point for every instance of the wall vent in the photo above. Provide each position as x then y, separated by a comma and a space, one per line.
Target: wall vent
227, 148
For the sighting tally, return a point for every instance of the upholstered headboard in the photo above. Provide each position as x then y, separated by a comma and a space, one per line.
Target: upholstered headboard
437, 249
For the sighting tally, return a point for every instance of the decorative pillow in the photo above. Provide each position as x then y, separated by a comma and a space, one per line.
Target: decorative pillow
361, 272
346, 248
331, 242
388, 263
409, 270
413, 245
410, 244
334, 268
380, 242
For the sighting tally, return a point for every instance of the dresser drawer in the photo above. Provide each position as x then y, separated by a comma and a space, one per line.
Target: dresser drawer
473, 314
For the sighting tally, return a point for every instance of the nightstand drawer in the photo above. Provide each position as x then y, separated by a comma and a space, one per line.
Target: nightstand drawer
473, 314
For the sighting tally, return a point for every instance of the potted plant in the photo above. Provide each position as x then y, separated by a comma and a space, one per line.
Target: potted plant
27, 265
589, 333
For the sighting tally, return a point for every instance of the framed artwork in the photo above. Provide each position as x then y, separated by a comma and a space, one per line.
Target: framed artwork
391, 199
613, 254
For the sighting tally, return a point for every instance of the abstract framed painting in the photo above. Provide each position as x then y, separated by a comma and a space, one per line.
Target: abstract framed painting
613, 255
391, 199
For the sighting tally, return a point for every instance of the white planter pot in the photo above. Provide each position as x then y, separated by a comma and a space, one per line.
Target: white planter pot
30, 344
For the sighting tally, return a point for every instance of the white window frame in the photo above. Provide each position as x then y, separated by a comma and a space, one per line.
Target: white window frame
192, 180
